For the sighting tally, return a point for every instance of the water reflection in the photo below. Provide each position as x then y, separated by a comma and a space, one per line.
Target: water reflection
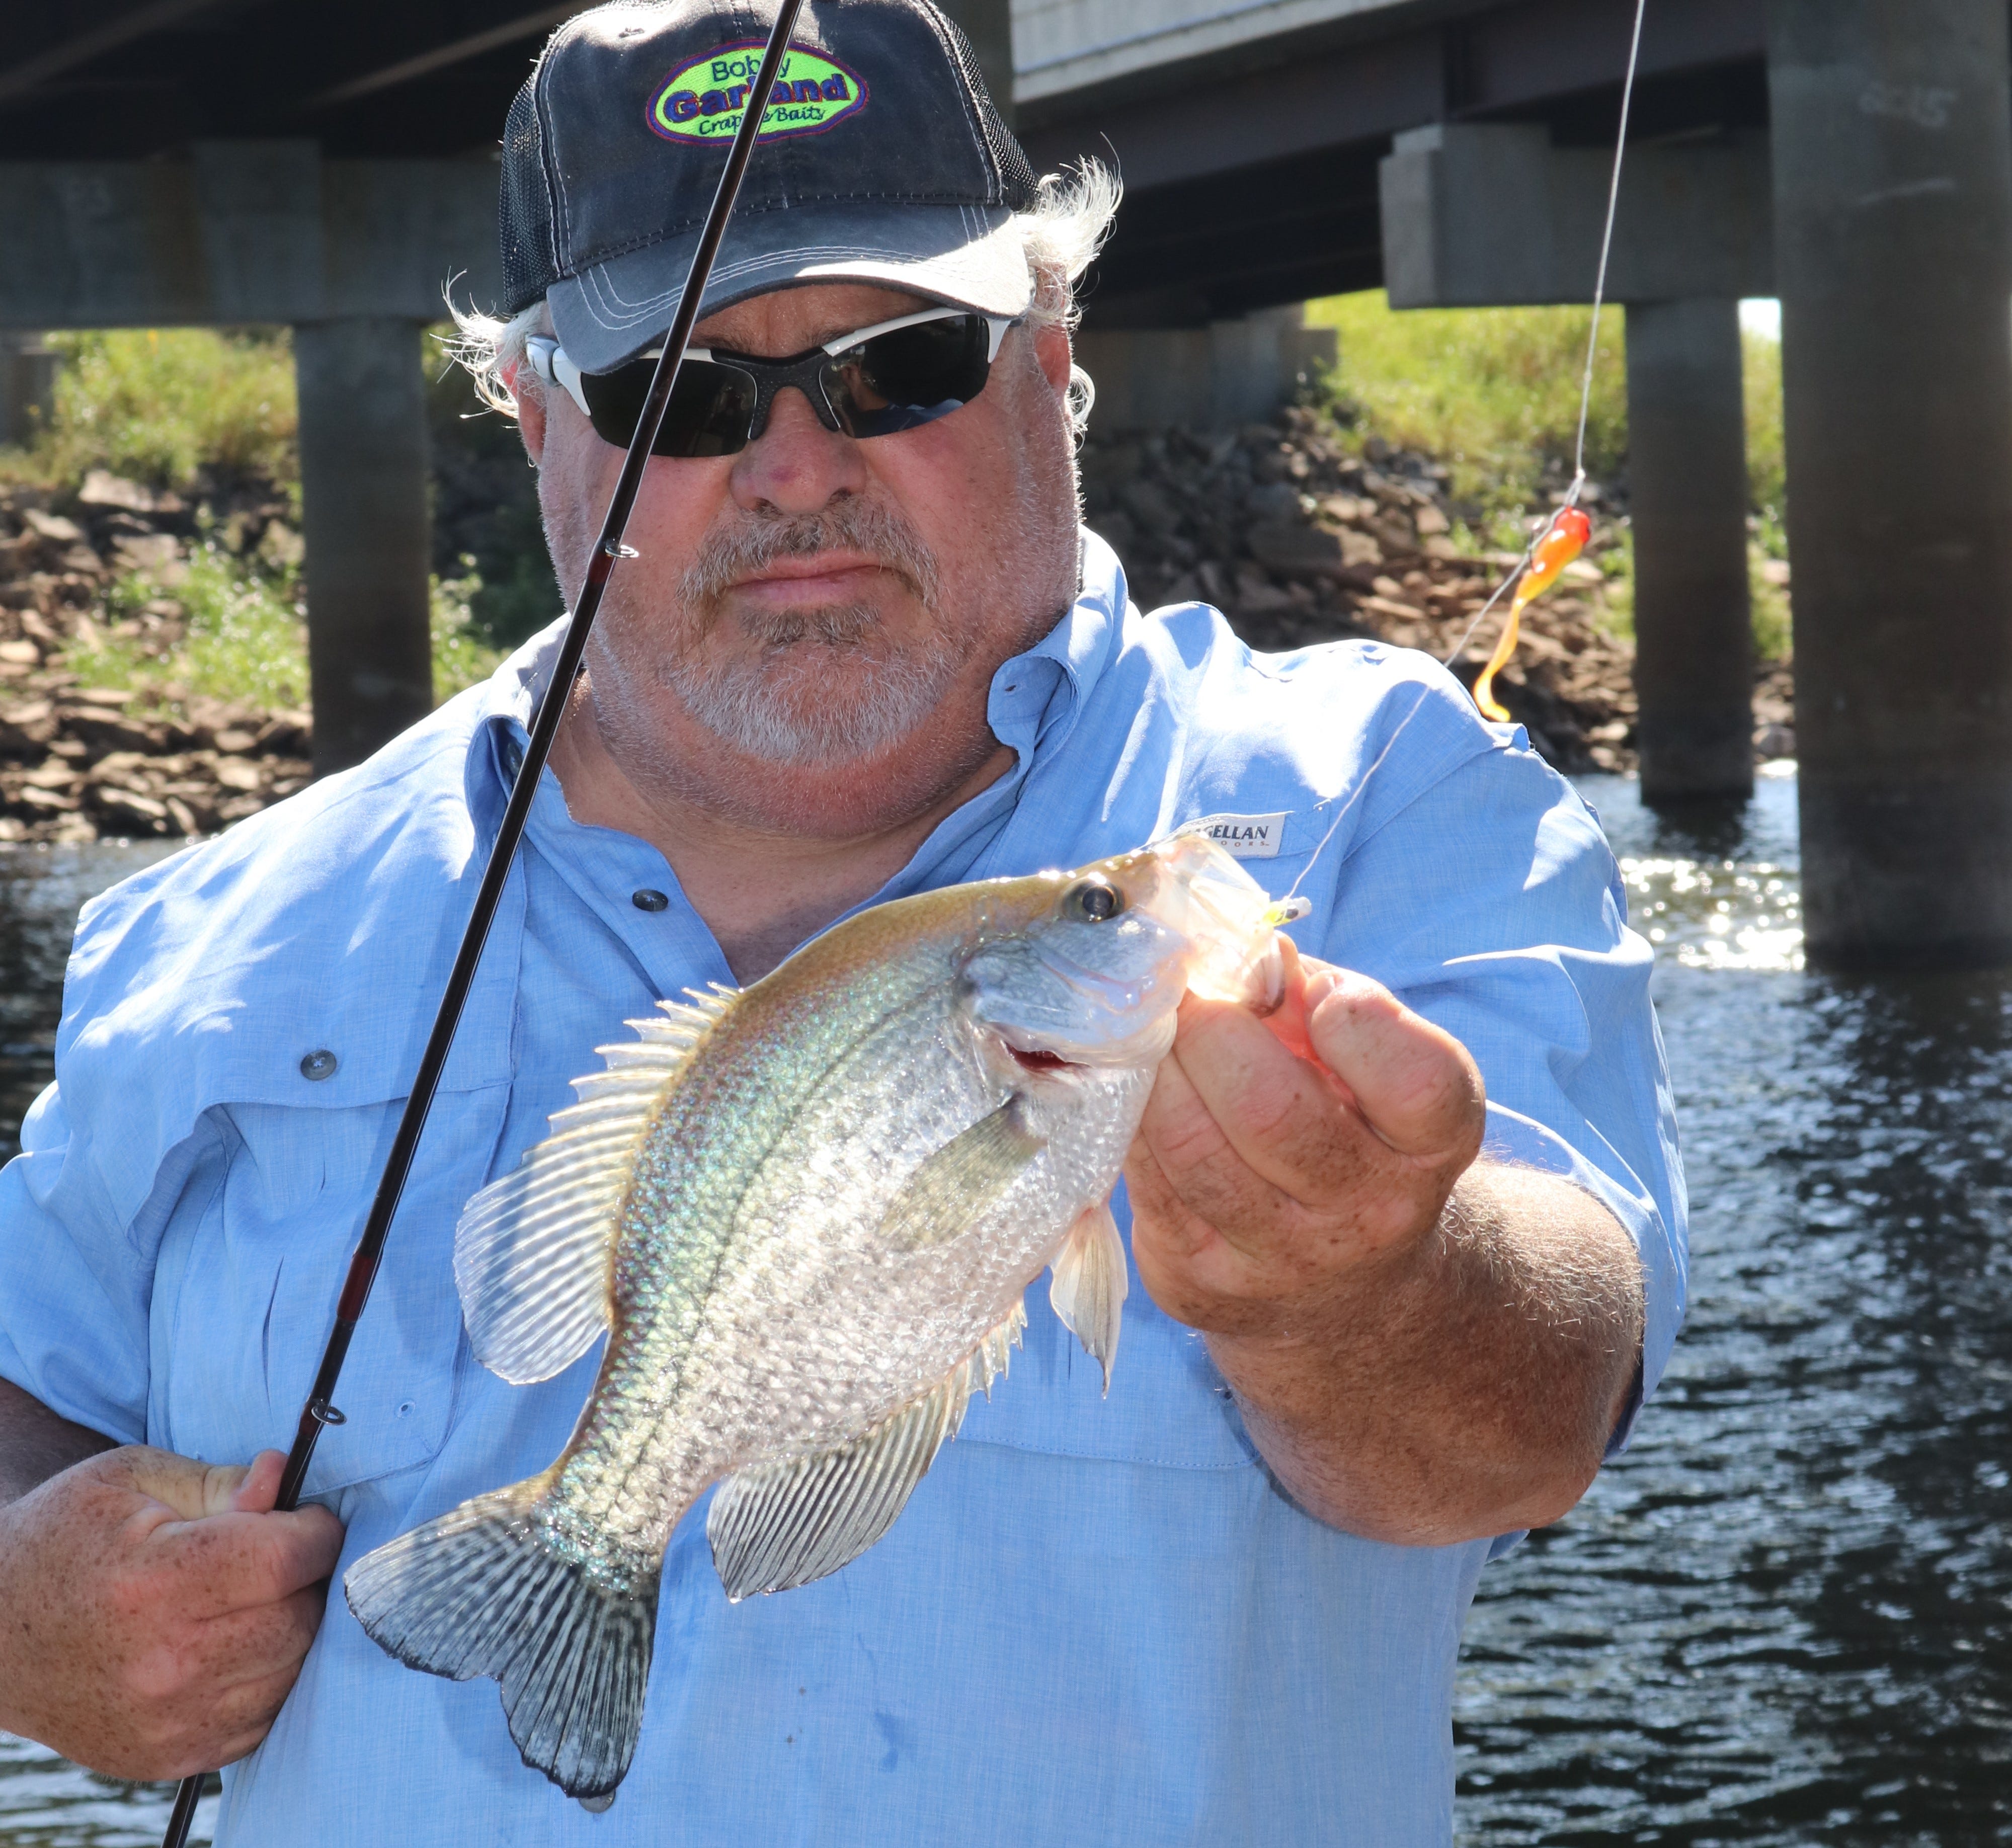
42, 1799
1784, 1617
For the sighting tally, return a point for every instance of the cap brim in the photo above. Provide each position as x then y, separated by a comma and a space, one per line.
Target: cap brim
969, 256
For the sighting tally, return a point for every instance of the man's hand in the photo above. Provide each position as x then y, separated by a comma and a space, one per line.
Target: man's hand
1285, 1160
154, 1612
1425, 1349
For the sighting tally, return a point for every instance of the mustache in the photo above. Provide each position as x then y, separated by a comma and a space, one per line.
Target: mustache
744, 547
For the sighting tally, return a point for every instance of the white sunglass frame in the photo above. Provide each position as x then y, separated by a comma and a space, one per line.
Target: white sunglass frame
553, 364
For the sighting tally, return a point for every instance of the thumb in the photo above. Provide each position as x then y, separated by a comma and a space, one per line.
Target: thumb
258, 1488
1417, 1086
196, 1491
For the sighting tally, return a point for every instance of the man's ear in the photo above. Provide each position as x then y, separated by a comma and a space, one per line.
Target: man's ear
530, 415
1052, 352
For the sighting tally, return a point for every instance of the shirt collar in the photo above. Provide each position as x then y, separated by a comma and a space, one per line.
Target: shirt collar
1034, 702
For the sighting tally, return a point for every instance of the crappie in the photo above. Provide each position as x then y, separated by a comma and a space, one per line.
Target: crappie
806, 1214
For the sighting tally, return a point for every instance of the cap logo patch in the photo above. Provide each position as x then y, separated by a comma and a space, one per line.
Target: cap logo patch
704, 99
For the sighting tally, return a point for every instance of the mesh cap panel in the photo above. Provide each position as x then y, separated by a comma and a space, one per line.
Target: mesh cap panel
530, 262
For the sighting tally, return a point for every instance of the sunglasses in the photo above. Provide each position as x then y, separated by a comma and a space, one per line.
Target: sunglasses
894, 375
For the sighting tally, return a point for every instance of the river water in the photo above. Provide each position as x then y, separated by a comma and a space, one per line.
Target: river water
1783, 1618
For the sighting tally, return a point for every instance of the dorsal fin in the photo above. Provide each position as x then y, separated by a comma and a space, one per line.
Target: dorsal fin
531, 1251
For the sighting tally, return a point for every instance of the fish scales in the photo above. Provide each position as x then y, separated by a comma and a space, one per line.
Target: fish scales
806, 1215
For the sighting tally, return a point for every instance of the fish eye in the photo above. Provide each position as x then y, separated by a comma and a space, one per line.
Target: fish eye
1092, 902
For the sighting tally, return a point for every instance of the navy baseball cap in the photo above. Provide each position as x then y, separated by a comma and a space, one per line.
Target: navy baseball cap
881, 159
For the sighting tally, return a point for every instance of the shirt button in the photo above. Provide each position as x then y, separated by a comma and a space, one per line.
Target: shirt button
647, 900
513, 756
318, 1065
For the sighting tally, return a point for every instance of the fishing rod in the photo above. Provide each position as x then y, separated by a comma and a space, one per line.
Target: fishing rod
319, 1411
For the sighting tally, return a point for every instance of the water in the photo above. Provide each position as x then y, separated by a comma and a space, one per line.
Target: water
1782, 1618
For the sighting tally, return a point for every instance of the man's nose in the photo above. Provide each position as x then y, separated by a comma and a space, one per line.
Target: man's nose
796, 465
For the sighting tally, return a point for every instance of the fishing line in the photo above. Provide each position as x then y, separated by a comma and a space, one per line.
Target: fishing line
1290, 906
319, 1410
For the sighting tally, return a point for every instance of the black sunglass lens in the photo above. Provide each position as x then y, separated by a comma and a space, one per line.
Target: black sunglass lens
709, 412
912, 377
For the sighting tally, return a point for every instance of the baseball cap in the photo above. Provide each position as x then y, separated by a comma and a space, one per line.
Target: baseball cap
880, 159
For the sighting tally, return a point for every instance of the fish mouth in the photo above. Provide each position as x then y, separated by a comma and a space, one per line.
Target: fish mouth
1041, 1061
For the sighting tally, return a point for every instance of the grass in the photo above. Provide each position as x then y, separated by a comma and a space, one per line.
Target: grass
461, 654
196, 411
1494, 394
246, 640
165, 406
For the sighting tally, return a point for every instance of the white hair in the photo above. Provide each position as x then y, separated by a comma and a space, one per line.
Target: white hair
1061, 232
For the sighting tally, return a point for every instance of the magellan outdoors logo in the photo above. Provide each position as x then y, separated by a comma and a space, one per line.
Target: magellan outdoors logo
703, 101
1247, 837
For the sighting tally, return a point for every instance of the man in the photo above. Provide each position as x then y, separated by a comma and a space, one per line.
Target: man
1410, 1251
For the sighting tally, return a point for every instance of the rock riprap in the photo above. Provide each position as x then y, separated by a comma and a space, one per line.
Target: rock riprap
77, 762
1298, 540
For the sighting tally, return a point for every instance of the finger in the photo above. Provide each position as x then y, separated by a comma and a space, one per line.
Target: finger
1282, 1118
234, 1726
234, 1562
1195, 1273
259, 1490
243, 1647
245, 1714
1416, 1085
1194, 1152
188, 1490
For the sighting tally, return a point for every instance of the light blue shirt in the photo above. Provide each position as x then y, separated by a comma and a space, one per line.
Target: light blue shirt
1098, 1620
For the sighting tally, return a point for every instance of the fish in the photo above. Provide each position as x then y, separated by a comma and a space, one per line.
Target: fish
806, 1214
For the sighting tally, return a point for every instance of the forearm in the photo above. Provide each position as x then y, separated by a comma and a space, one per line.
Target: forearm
1466, 1387
36, 1443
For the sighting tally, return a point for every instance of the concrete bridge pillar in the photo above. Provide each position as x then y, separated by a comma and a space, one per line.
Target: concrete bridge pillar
1893, 226
363, 512
1215, 377
1687, 471
27, 387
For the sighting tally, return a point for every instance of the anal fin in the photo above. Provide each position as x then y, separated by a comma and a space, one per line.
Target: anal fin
1088, 1283
778, 1525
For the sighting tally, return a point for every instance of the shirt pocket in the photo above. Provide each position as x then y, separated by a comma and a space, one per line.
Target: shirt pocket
1168, 1405
245, 1296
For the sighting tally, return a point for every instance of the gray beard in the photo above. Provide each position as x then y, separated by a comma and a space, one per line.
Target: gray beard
783, 708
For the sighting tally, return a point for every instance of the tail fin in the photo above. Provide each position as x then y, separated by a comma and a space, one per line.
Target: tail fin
478, 1591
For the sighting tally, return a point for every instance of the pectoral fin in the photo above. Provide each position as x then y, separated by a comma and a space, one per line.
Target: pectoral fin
964, 1177
1087, 1285
782, 1524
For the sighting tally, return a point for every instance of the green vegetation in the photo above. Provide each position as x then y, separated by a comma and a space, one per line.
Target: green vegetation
462, 654
161, 406
211, 416
246, 640
247, 635
1494, 394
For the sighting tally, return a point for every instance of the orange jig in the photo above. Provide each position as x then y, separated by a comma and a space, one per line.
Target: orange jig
1564, 542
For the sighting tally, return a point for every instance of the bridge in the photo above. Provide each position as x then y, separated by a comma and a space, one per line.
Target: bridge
326, 166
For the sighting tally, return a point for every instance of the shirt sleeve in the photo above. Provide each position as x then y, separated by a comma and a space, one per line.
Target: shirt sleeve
76, 1282
1490, 903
